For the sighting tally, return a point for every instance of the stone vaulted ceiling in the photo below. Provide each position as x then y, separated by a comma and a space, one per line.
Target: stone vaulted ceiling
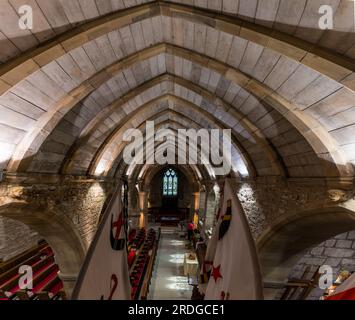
90, 69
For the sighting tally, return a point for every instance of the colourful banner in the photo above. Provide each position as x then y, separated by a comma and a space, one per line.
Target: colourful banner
232, 263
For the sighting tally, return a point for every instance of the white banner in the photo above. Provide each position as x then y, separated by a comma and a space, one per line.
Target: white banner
235, 272
104, 274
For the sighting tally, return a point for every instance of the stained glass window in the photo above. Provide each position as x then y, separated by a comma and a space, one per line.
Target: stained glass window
170, 183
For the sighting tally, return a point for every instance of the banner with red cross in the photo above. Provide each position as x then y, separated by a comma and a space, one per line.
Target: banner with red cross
235, 272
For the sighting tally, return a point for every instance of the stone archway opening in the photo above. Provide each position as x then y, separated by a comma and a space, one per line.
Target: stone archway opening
59, 234
170, 196
287, 245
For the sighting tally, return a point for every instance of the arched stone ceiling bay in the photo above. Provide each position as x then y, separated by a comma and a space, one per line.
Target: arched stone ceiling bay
198, 171
251, 156
120, 114
161, 148
34, 135
143, 174
261, 166
164, 119
172, 121
40, 128
202, 171
137, 172
299, 18
108, 118
119, 77
171, 116
53, 151
66, 82
109, 152
232, 74
333, 65
51, 18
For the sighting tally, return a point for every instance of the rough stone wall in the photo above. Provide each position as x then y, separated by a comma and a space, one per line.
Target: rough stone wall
255, 214
15, 238
75, 200
267, 201
210, 210
80, 200
337, 252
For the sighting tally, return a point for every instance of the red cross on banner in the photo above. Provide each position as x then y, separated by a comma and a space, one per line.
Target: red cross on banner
117, 241
118, 225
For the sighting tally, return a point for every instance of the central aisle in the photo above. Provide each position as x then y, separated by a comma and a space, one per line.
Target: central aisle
168, 281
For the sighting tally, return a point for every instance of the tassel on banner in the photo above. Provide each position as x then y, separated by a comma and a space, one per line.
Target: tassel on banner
225, 296
205, 276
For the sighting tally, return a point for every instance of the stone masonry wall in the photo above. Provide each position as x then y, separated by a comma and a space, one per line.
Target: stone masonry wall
337, 252
269, 200
76, 200
15, 238
80, 201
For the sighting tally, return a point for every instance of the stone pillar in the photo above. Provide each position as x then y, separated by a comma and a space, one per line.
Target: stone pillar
69, 282
132, 215
195, 204
143, 206
208, 187
131, 187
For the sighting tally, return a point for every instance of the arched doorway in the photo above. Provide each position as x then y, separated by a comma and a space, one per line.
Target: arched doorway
169, 199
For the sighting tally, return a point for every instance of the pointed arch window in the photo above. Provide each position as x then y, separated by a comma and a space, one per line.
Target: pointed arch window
170, 183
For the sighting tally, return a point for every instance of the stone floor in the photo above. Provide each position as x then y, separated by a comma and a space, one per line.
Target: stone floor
168, 281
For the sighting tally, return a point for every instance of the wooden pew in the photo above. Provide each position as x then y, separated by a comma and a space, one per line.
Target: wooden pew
148, 276
45, 282
40, 281
47, 296
11, 285
30, 261
51, 290
3, 295
18, 260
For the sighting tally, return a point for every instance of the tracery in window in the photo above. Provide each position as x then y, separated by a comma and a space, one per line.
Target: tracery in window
170, 183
